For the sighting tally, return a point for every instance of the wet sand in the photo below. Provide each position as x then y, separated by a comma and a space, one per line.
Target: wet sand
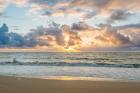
30, 85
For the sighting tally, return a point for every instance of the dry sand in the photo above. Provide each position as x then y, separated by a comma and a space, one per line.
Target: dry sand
30, 85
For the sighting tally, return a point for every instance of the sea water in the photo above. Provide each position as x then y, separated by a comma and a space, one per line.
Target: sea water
105, 65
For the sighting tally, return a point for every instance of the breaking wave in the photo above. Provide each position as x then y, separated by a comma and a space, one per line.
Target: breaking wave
36, 63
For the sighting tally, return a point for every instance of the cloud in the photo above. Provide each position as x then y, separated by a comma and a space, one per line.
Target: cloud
3, 5
49, 34
55, 36
16, 40
90, 3
3, 34
85, 9
119, 15
19, 2
59, 8
80, 26
130, 26
132, 31
10, 39
111, 35
78, 37
106, 4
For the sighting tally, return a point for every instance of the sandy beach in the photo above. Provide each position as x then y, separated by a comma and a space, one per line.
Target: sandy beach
30, 85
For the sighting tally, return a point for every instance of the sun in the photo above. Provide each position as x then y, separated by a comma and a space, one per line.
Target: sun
70, 49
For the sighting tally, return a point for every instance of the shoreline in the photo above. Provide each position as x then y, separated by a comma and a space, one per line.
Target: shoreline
11, 84
72, 78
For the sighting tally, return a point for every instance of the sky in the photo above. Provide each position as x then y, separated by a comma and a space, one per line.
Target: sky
70, 25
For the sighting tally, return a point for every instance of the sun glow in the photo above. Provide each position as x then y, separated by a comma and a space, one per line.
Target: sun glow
70, 41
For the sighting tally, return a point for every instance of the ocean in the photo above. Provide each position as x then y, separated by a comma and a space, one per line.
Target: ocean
65, 65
